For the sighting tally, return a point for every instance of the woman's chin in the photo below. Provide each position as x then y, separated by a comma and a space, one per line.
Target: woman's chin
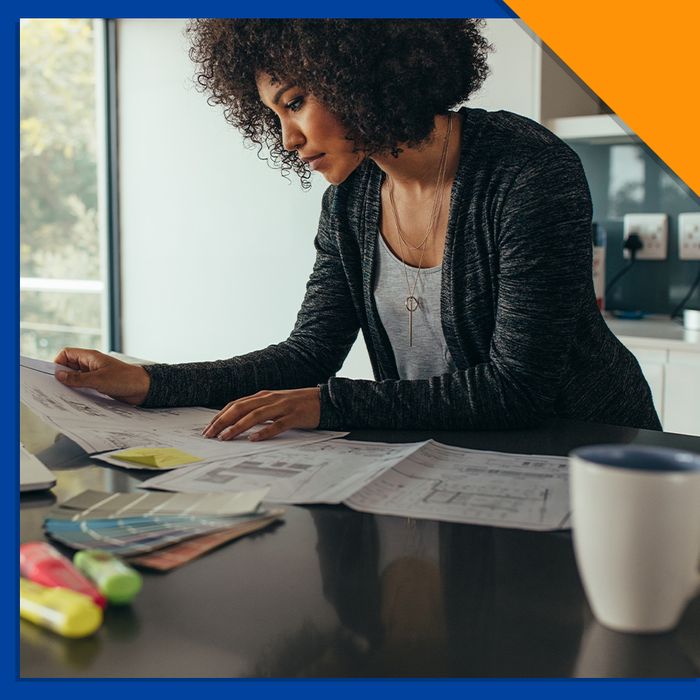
335, 177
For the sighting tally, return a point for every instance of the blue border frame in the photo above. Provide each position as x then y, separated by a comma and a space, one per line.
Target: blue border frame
274, 8
27, 689
350, 689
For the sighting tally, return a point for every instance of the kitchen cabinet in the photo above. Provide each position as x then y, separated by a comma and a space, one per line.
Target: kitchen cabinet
669, 357
682, 393
526, 78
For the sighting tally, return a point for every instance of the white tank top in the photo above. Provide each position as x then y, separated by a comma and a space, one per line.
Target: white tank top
429, 356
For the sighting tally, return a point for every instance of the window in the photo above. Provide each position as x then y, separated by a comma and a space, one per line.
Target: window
63, 212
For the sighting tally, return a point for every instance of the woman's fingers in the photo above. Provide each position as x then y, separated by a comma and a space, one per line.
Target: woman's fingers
80, 359
80, 368
271, 430
216, 418
233, 411
79, 379
287, 408
250, 420
65, 360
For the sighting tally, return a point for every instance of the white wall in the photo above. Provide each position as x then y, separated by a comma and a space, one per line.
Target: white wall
514, 80
216, 246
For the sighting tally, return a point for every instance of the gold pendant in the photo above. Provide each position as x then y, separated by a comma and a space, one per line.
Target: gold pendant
411, 305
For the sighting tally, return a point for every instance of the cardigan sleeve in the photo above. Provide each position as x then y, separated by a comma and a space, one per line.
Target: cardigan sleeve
325, 329
544, 248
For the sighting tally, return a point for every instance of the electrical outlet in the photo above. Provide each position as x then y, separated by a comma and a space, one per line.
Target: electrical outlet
653, 230
689, 236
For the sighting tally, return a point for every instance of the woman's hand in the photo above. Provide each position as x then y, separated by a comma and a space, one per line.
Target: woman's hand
106, 374
292, 408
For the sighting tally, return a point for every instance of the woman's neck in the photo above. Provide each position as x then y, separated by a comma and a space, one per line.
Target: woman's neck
415, 169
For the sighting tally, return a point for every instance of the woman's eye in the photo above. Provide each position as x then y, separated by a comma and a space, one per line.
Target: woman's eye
295, 104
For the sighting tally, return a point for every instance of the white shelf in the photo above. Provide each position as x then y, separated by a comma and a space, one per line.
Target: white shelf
596, 128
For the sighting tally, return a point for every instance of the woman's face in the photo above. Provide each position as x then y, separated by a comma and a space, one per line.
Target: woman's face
310, 129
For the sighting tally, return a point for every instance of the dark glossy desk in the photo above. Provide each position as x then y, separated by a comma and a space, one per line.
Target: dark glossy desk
331, 592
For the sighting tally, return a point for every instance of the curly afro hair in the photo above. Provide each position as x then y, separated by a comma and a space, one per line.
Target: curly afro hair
385, 80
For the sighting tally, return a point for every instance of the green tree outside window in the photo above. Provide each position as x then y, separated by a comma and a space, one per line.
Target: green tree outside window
61, 275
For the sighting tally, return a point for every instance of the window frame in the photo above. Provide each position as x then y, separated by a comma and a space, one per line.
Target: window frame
113, 300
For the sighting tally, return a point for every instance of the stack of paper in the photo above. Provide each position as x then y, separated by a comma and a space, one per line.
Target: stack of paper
142, 526
154, 438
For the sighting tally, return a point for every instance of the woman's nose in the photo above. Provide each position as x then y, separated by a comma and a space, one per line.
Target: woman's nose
292, 138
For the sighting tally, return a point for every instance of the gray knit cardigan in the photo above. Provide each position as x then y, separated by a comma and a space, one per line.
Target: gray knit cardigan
517, 305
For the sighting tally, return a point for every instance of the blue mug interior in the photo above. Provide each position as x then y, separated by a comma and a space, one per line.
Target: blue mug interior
640, 458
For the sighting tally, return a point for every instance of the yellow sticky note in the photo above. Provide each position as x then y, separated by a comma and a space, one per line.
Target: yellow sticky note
158, 457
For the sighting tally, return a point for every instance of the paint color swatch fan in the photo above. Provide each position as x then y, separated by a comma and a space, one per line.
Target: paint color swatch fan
157, 530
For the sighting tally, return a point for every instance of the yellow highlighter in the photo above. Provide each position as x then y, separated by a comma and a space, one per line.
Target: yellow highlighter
61, 610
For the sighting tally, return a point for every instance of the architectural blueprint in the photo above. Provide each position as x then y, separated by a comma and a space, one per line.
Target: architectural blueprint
326, 472
441, 482
417, 480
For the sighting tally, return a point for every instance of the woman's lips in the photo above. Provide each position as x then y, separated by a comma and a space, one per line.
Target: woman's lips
315, 162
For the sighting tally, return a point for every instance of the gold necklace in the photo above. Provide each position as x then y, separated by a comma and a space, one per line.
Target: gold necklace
437, 200
412, 302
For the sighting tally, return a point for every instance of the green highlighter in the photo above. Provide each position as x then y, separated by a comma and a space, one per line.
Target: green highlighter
116, 581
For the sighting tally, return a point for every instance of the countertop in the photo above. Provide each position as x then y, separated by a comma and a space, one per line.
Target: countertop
332, 592
655, 332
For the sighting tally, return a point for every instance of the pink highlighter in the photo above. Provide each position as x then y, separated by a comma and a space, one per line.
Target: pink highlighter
41, 563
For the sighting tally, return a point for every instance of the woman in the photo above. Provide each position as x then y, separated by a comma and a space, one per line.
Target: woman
458, 242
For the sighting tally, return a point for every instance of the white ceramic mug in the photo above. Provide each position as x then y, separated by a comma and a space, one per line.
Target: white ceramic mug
636, 522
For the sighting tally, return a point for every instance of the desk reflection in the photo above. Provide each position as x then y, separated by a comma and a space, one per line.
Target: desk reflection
382, 576
420, 598
514, 608
73, 654
608, 654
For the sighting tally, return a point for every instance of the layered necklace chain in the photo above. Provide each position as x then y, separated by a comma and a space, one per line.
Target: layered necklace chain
412, 304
